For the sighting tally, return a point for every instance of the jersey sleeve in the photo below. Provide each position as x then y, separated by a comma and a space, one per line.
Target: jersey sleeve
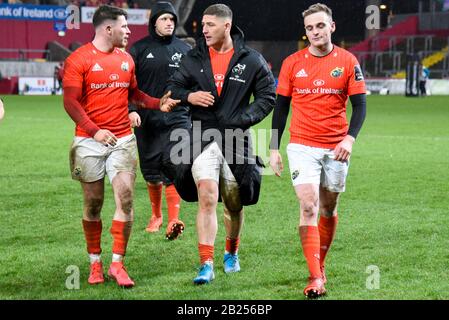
73, 72
285, 87
356, 81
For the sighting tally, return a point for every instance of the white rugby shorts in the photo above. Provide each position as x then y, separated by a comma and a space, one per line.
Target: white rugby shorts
91, 160
212, 165
316, 166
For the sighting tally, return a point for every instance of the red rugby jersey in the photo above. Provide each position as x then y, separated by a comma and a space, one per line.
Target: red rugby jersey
220, 63
105, 79
319, 87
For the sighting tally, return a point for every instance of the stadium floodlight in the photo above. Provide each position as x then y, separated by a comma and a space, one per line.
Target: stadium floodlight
383, 6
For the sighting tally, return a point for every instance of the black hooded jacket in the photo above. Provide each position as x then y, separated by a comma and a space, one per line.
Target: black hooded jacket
248, 74
156, 59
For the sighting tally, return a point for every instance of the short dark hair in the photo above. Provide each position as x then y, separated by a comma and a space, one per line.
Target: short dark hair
106, 12
220, 10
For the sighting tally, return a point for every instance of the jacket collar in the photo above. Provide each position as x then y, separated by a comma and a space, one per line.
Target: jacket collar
238, 40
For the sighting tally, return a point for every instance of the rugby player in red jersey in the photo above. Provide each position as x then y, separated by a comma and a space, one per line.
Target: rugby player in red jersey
98, 82
317, 81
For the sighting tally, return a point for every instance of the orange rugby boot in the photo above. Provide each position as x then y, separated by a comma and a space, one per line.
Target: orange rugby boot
315, 288
96, 273
154, 225
118, 272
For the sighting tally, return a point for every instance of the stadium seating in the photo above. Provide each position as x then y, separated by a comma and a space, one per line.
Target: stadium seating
385, 54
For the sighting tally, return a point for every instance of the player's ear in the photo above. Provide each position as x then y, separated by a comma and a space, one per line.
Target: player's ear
108, 28
333, 27
228, 26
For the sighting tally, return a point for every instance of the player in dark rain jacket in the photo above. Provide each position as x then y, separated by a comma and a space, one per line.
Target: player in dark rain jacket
156, 57
217, 79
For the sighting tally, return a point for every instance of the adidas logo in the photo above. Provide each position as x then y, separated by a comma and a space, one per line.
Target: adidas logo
302, 74
150, 56
97, 67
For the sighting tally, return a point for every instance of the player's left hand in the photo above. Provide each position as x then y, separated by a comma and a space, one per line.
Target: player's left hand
343, 150
167, 104
135, 119
276, 162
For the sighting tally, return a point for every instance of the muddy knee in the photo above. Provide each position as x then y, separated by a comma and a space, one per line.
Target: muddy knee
231, 196
309, 209
126, 200
207, 196
92, 206
233, 204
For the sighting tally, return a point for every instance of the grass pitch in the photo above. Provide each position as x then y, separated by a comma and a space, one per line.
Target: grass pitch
394, 217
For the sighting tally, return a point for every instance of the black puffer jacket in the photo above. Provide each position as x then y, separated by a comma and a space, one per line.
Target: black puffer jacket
248, 75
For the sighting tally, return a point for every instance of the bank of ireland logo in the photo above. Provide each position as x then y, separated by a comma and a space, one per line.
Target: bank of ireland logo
219, 79
238, 70
337, 72
125, 66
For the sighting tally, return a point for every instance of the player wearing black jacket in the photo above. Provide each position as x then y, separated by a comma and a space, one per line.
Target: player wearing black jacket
156, 57
217, 79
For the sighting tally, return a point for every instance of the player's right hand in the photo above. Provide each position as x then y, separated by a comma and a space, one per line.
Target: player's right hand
105, 137
135, 119
201, 98
167, 104
276, 162
343, 150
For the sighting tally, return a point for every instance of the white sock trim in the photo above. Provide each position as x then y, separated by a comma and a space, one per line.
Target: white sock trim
117, 257
93, 257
